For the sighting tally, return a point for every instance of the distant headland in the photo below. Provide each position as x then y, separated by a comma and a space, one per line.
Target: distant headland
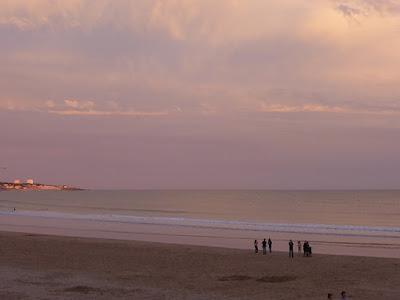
29, 185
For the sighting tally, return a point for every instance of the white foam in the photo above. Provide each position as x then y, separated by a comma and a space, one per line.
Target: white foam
218, 224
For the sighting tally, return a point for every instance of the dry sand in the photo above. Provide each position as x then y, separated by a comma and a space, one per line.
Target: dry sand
50, 267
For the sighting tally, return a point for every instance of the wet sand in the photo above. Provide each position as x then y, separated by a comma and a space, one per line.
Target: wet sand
86, 227
53, 267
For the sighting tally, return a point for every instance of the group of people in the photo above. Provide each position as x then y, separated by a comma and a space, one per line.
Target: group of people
264, 246
306, 252
306, 247
343, 296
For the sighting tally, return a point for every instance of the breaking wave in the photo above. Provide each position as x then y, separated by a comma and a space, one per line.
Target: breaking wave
330, 229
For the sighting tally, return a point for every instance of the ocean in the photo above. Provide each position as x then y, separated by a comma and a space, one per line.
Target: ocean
334, 222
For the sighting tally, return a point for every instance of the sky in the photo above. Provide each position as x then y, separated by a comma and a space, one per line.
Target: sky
201, 94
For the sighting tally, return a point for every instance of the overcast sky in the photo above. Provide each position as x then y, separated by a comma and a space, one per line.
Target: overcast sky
201, 94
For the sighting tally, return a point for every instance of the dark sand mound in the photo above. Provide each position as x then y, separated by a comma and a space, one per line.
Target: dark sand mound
276, 279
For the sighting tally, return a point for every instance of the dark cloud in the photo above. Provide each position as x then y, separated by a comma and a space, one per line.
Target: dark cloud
348, 11
355, 8
391, 6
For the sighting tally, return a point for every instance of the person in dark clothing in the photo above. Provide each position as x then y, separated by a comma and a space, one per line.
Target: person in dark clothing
343, 295
264, 246
270, 245
307, 249
291, 248
255, 246
330, 296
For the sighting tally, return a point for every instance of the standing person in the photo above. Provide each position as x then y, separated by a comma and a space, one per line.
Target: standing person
291, 249
307, 248
330, 296
270, 245
264, 246
255, 246
343, 295
298, 247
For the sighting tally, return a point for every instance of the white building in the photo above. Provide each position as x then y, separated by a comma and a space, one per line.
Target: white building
17, 181
29, 181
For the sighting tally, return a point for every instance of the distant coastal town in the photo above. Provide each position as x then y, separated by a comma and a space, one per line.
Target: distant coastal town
30, 185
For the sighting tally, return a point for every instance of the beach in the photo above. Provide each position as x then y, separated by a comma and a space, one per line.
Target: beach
54, 267
352, 223
198, 244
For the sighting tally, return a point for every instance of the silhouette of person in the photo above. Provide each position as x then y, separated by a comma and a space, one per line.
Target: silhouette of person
305, 248
291, 248
255, 246
264, 246
270, 245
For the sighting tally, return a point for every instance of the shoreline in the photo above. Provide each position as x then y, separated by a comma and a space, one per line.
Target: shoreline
41, 266
191, 235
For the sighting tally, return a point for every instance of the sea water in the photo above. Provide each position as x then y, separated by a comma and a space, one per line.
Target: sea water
335, 222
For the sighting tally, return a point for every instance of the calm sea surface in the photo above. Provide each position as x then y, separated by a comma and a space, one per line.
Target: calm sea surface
358, 217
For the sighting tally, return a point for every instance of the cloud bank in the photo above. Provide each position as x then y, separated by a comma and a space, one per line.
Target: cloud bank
176, 92
155, 54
